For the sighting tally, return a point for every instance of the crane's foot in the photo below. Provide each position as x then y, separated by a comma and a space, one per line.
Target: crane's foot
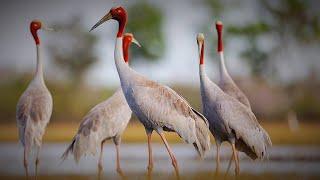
175, 165
100, 170
237, 171
149, 173
216, 174
25, 163
120, 172
37, 165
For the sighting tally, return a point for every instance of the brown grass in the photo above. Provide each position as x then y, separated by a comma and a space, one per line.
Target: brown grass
280, 134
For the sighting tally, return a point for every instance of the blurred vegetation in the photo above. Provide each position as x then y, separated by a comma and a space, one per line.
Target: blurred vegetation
286, 21
70, 104
280, 133
74, 53
146, 24
256, 57
305, 97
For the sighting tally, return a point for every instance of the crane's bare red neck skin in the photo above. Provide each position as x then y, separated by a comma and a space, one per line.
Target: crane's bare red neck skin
125, 46
34, 27
219, 27
202, 54
120, 15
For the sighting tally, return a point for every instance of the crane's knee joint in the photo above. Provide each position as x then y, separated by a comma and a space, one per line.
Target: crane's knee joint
100, 166
37, 161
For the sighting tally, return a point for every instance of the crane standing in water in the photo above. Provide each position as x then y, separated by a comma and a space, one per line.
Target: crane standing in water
229, 119
107, 120
34, 107
157, 107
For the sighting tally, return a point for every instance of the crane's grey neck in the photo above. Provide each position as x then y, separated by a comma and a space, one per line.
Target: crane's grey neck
203, 75
122, 67
222, 67
206, 85
202, 72
39, 68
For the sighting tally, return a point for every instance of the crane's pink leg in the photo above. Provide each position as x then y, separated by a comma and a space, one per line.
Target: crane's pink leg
25, 162
236, 159
217, 159
119, 170
37, 161
100, 164
150, 163
174, 161
229, 165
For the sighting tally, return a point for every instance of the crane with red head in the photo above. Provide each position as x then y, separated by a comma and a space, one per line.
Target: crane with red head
34, 107
106, 120
158, 107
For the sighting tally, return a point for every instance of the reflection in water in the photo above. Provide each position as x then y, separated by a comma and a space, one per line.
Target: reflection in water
282, 159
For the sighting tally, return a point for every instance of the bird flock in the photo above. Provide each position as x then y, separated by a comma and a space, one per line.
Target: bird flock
227, 113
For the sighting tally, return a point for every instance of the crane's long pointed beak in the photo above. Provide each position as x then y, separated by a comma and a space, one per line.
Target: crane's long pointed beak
136, 42
102, 20
199, 48
45, 28
48, 29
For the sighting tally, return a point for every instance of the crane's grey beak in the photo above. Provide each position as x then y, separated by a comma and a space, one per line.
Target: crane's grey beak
102, 20
45, 28
200, 40
136, 42
199, 46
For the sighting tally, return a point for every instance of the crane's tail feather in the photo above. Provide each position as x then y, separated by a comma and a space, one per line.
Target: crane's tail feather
28, 138
68, 150
202, 143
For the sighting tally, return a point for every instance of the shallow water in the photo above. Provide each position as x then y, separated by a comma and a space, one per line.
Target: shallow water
282, 159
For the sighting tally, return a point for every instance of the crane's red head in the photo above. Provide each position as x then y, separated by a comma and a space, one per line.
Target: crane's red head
219, 27
117, 13
200, 41
34, 27
126, 42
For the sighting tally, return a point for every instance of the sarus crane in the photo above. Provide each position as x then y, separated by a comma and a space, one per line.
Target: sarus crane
105, 121
158, 107
229, 119
34, 107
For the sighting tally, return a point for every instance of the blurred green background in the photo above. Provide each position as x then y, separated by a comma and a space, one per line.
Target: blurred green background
272, 52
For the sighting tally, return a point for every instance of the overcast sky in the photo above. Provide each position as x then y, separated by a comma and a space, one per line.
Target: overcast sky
182, 22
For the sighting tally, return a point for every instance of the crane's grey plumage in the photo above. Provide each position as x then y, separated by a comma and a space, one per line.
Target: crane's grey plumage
160, 108
226, 83
34, 110
229, 119
106, 120
157, 107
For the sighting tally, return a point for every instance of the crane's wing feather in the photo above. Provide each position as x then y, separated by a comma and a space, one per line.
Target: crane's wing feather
104, 121
229, 87
244, 124
33, 114
170, 111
